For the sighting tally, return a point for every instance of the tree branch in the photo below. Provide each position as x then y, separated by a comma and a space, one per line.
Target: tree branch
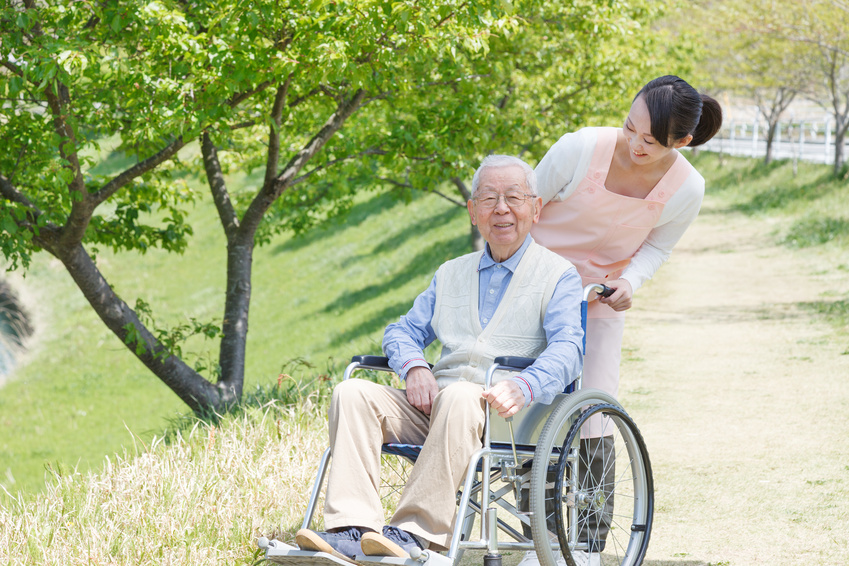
343, 111
408, 185
14, 68
137, 170
300, 99
242, 125
242, 96
266, 197
449, 199
218, 187
274, 132
370, 151
192, 388
9, 192
81, 207
461, 186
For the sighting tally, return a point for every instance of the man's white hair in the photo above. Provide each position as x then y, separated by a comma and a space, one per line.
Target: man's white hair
492, 161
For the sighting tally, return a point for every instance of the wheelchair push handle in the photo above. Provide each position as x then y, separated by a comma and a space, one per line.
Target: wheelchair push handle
599, 288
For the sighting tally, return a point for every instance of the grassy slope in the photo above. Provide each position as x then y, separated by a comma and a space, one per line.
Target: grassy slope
199, 499
321, 298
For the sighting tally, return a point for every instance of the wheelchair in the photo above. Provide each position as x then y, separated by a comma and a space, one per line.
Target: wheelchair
561, 490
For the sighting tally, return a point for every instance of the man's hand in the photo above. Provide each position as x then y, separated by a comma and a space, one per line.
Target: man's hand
506, 397
620, 300
421, 388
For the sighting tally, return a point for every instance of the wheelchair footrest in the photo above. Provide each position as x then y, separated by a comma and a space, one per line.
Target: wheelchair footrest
282, 553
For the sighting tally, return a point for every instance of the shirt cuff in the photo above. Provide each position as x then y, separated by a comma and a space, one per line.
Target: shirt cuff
635, 280
526, 389
410, 364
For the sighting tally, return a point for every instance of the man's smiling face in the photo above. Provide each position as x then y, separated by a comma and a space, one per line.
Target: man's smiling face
504, 227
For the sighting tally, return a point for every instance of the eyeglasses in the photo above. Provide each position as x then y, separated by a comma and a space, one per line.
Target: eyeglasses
489, 201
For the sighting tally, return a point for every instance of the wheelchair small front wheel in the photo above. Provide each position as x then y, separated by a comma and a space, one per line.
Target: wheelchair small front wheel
603, 490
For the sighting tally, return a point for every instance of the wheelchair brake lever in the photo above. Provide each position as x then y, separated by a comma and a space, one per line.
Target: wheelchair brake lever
512, 442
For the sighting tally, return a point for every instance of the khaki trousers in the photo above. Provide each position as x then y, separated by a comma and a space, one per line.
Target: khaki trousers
365, 415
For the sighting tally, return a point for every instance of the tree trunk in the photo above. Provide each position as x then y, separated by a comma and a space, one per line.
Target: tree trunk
839, 142
477, 240
772, 126
236, 309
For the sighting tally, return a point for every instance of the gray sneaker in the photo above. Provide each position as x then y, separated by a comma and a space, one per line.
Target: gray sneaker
341, 544
393, 542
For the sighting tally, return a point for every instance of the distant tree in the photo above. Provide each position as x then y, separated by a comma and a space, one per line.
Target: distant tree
745, 57
784, 48
823, 25
320, 97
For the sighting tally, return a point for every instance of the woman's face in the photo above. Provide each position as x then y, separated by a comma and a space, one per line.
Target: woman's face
644, 149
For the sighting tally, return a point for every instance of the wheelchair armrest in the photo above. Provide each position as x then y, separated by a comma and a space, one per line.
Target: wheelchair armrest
514, 362
379, 363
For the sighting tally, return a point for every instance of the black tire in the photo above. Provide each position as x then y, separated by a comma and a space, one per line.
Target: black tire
604, 491
564, 412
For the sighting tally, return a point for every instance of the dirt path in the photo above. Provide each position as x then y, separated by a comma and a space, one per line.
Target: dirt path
743, 398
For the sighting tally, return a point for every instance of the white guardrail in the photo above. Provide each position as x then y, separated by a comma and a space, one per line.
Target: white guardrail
806, 139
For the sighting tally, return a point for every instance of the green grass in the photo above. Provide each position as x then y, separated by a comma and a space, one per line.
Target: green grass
316, 301
812, 205
809, 209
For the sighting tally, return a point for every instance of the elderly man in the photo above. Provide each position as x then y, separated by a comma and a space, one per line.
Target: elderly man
515, 298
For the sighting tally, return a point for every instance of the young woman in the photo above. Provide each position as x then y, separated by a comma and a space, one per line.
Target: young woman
618, 200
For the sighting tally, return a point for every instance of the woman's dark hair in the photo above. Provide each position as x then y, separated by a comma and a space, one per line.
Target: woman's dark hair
678, 110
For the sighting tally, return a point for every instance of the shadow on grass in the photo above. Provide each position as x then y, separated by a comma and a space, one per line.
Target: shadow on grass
364, 211
423, 263
679, 563
352, 218
376, 322
757, 187
512, 558
420, 229
735, 170
836, 312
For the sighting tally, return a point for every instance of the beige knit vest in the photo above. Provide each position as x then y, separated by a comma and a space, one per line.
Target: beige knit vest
516, 327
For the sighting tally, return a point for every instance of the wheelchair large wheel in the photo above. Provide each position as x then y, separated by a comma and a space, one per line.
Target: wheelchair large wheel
394, 473
542, 499
603, 491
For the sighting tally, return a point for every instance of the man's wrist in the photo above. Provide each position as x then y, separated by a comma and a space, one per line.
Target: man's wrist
410, 364
525, 387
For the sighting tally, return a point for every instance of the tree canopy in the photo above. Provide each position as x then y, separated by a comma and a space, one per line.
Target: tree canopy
321, 98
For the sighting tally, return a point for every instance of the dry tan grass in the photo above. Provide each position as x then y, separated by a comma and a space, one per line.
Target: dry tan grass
202, 498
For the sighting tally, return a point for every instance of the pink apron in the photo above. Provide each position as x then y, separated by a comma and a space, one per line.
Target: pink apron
599, 232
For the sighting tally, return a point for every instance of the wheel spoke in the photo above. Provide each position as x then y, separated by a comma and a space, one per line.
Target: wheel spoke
603, 487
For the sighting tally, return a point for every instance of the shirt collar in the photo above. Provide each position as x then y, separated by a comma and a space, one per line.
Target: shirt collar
510, 263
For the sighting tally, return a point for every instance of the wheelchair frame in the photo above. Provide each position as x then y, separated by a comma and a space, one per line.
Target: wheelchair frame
548, 437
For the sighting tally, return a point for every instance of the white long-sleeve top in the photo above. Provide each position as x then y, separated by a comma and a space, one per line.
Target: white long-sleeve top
566, 163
